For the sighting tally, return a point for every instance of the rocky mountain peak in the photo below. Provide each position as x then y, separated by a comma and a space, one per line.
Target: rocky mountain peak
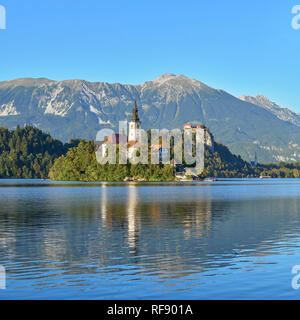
259, 100
280, 112
165, 77
177, 81
26, 82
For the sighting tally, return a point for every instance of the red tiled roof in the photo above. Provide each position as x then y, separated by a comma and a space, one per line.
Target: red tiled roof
132, 143
158, 147
104, 141
117, 138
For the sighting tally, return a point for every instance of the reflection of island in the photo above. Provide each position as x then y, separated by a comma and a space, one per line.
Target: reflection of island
130, 215
198, 224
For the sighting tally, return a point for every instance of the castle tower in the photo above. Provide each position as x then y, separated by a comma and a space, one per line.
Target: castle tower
134, 125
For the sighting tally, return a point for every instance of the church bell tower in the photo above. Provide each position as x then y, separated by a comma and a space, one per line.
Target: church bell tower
134, 125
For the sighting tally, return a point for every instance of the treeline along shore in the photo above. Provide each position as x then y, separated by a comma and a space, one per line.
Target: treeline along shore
29, 153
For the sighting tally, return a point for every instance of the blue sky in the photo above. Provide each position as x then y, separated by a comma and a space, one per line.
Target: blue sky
243, 47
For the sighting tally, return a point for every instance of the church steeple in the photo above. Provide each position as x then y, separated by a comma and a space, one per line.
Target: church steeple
135, 113
134, 125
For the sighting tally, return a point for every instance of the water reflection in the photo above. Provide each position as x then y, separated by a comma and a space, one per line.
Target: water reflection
79, 236
104, 205
133, 219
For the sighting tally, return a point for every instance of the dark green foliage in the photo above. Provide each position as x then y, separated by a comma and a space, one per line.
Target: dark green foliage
72, 143
224, 164
27, 153
280, 170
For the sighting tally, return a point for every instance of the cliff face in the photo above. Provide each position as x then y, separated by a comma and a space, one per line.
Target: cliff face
209, 141
77, 108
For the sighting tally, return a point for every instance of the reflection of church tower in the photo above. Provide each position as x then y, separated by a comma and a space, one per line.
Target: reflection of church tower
133, 227
104, 205
134, 125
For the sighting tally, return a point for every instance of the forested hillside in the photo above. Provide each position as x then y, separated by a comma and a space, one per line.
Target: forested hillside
226, 165
27, 153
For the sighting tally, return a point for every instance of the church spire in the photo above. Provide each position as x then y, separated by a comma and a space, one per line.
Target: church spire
135, 113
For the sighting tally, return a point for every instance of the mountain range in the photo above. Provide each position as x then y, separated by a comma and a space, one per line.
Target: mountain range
78, 109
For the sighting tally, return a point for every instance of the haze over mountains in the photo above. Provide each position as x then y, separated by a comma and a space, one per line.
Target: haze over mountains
78, 108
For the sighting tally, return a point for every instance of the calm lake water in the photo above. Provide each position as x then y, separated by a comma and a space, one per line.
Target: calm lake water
235, 239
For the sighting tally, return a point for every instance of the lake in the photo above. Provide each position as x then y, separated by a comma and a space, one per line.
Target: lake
231, 239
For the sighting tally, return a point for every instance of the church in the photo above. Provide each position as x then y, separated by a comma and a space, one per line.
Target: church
132, 140
134, 133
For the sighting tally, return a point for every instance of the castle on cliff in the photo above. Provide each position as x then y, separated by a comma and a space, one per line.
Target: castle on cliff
208, 137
